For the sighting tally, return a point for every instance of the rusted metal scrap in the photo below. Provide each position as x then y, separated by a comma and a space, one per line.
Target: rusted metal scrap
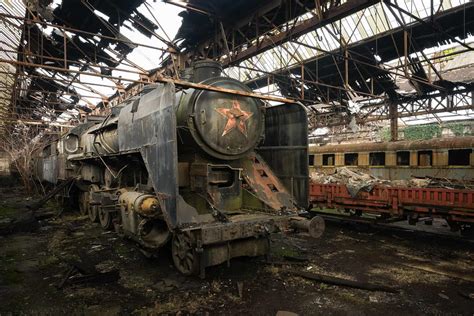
35, 206
79, 273
343, 282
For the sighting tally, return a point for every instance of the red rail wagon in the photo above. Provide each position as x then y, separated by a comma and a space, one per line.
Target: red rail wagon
454, 205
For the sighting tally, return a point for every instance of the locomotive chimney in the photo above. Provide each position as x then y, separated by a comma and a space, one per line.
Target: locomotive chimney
205, 69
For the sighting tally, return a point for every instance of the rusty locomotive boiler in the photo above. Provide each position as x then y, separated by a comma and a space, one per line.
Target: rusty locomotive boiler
210, 172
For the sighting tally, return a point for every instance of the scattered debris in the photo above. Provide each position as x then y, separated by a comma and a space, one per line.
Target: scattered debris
21, 222
343, 282
296, 259
166, 285
285, 313
443, 296
469, 296
88, 275
358, 179
283, 263
32, 264
240, 288
449, 274
35, 206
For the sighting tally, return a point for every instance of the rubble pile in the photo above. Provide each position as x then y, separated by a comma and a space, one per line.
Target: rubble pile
357, 180
344, 175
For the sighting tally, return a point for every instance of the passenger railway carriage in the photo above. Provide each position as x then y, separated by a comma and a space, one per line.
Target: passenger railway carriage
451, 158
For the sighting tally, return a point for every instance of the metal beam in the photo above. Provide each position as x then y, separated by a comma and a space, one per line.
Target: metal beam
459, 100
306, 26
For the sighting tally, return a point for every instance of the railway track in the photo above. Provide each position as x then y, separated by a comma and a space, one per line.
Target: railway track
438, 227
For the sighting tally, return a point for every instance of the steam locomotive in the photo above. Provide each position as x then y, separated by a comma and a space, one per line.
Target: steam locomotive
211, 172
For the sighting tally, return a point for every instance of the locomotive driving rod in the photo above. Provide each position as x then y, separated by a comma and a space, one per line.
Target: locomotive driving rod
315, 226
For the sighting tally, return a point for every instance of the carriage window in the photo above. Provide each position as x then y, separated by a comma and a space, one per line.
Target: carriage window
425, 158
403, 158
351, 159
311, 160
377, 159
328, 159
459, 157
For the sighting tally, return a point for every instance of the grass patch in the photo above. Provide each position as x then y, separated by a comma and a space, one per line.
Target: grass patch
7, 211
10, 277
285, 251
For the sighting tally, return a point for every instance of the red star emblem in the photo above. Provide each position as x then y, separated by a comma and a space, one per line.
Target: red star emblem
236, 118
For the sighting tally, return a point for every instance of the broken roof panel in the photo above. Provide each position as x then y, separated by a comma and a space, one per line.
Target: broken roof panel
324, 59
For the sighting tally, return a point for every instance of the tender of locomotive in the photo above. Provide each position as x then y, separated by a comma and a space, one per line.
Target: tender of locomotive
214, 173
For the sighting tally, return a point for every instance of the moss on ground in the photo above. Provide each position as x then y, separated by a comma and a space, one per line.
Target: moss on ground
8, 274
285, 251
7, 211
10, 277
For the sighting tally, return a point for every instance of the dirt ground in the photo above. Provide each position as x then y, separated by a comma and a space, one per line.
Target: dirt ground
433, 274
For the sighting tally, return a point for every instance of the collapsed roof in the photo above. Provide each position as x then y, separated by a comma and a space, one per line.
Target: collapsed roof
329, 52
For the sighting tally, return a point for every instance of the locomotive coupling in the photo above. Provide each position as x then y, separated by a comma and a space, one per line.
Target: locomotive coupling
315, 226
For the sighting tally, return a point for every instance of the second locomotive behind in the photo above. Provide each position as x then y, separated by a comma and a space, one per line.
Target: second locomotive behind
203, 169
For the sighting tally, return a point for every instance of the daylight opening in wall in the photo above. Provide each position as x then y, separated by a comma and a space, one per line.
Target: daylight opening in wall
459, 157
377, 159
328, 159
403, 158
351, 159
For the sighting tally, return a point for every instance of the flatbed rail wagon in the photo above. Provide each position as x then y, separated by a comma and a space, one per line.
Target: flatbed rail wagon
456, 206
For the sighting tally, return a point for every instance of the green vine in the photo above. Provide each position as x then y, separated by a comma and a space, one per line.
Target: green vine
456, 128
421, 132
384, 134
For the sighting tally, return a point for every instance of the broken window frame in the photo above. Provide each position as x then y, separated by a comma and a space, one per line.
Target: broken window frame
456, 155
398, 155
375, 156
354, 161
326, 158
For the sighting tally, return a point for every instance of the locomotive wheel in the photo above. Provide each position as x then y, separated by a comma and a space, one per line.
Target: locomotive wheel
105, 219
184, 254
93, 213
84, 203
93, 210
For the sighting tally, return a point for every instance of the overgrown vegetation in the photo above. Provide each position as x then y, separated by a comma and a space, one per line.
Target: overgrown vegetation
20, 142
421, 132
384, 134
456, 128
